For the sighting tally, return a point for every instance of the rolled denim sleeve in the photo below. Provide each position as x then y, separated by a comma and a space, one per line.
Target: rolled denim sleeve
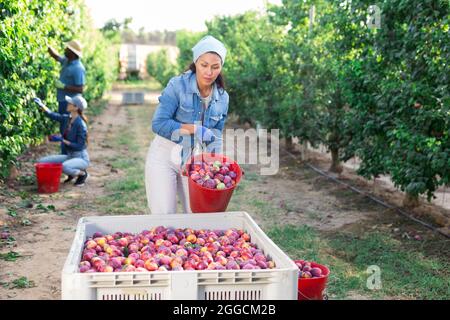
163, 122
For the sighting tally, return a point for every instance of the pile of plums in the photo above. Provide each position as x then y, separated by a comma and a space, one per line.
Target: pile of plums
213, 175
170, 249
305, 270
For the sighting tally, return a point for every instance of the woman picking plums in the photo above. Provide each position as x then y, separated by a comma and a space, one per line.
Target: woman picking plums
192, 110
74, 138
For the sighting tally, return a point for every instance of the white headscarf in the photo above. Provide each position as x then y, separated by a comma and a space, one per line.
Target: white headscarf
209, 44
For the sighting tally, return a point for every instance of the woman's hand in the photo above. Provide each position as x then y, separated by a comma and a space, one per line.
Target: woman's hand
187, 129
203, 134
40, 104
66, 142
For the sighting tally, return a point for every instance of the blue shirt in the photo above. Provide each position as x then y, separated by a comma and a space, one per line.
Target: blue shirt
72, 73
77, 135
180, 103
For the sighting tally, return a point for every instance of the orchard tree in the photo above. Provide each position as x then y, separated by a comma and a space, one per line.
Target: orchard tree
160, 67
253, 55
185, 40
314, 108
27, 71
400, 103
298, 111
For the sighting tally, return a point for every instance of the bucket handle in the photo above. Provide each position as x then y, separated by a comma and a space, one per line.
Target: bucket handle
324, 296
307, 298
184, 172
196, 151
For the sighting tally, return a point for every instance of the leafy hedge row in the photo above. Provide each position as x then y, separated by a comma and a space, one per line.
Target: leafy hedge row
381, 94
160, 67
27, 70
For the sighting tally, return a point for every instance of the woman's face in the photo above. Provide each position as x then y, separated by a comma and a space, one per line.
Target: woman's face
71, 107
208, 67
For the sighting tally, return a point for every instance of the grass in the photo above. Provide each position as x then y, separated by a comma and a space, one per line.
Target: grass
126, 193
251, 176
242, 200
404, 274
305, 243
96, 108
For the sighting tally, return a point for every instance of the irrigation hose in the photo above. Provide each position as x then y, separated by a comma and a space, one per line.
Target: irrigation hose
373, 198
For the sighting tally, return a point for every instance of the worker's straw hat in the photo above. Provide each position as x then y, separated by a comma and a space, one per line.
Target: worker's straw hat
75, 47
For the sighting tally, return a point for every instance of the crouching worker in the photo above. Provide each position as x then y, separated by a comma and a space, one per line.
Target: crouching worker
74, 138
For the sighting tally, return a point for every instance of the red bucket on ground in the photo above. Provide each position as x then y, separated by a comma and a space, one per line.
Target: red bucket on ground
204, 200
312, 288
48, 176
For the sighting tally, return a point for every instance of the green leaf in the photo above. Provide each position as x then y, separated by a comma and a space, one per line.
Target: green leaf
10, 256
12, 213
22, 283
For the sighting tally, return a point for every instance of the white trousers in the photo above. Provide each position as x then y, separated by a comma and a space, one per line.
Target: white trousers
163, 179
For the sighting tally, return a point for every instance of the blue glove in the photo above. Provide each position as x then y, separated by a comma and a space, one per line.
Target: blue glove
39, 102
55, 138
204, 134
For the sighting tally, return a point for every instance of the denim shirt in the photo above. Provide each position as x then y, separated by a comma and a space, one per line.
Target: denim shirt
180, 103
73, 74
77, 134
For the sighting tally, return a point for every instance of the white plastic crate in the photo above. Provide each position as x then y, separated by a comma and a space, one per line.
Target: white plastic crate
277, 284
133, 98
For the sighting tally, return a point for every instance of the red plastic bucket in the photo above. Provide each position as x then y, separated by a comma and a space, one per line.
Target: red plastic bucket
48, 175
204, 200
312, 288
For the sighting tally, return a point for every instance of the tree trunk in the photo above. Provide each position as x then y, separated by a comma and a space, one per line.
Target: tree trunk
304, 151
247, 125
411, 201
336, 166
289, 144
13, 173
